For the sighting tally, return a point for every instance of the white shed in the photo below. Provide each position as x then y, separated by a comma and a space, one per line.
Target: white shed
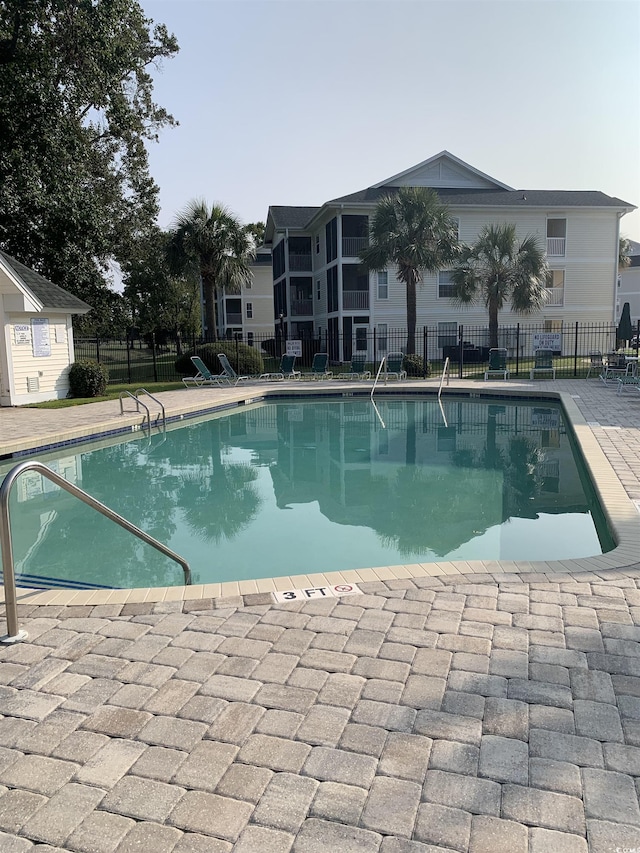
36, 350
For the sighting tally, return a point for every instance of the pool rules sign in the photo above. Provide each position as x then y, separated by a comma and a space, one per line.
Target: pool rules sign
315, 593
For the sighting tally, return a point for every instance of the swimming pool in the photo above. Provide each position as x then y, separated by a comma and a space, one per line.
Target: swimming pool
300, 486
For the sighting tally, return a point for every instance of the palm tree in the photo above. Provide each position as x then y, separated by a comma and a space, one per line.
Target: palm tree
412, 229
496, 269
221, 247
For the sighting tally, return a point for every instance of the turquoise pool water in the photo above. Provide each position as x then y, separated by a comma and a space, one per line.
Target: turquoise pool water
299, 486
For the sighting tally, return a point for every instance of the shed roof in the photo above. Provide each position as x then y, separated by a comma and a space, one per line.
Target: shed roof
49, 295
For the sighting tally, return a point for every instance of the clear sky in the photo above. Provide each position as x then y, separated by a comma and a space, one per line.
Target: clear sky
295, 102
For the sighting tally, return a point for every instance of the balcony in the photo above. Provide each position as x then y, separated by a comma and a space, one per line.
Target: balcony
301, 307
355, 300
556, 246
351, 246
234, 319
299, 263
555, 296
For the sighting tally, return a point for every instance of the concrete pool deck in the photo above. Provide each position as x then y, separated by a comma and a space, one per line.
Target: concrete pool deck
468, 707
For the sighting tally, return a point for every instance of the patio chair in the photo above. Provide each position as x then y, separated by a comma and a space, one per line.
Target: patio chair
543, 363
596, 362
616, 366
319, 367
393, 367
203, 376
357, 369
629, 379
286, 370
229, 372
497, 363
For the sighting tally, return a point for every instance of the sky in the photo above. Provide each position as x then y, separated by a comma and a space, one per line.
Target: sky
295, 102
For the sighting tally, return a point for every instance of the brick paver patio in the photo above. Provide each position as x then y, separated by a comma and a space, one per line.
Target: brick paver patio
471, 713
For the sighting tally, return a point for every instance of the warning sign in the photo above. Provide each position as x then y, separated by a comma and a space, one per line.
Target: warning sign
315, 593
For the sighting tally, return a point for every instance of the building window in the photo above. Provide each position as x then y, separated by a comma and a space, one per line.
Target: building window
361, 338
249, 307
250, 338
381, 334
383, 284
318, 288
447, 334
445, 284
317, 244
332, 288
556, 237
553, 326
555, 287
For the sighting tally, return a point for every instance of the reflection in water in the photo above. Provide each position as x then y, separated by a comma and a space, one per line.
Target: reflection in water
294, 487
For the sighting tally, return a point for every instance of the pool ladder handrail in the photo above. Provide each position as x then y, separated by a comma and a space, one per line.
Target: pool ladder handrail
155, 400
14, 634
445, 372
383, 363
136, 396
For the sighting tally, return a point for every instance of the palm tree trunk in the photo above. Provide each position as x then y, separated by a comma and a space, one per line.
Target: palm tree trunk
211, 332
493, 324
411, 315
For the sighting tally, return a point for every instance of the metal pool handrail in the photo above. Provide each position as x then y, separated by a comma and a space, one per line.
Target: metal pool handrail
155, 400
445, 371
139, 403
14, 635
375, 381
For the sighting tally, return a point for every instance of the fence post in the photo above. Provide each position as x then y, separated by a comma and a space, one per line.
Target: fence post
129, 362
517, 348
424, 352
98, 349
460, 350
153, 351
375, 348
237, 337
575, 353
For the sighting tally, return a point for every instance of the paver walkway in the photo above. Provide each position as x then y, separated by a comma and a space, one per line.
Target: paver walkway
479, 713
473, 714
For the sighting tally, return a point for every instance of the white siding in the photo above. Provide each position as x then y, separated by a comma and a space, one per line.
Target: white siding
51, 372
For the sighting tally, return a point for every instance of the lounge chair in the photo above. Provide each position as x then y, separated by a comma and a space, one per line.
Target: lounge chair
286, 370
203, 376
356, 369
629, 379
543, 363
319, 367
596, 362
497, 363
616, 367
393, 367
229, 372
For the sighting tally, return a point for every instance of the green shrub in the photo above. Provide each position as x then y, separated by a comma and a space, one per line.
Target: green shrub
87, 379
414, 365
249, 361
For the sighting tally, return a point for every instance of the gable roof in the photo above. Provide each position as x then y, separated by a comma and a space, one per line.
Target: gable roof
48, 295
443, 170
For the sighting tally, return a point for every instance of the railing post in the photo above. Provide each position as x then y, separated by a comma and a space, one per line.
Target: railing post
14, 634
517, 348
460, 350
129, 361
153, 351
575, 353
424, 352
98, 349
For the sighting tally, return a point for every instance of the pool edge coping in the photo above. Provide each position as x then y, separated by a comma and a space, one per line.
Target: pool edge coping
620, 511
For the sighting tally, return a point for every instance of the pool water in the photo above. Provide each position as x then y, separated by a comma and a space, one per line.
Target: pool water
297, 486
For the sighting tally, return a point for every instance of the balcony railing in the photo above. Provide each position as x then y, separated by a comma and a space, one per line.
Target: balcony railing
301, 307
355, 299
351, 246
234, 319
555, 246
555, 296
299, 263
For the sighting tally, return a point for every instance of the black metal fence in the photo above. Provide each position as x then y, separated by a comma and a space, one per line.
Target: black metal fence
467, 348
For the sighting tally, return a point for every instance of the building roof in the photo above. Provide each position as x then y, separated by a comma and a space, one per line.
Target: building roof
498, 198
292, 217
49, 295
